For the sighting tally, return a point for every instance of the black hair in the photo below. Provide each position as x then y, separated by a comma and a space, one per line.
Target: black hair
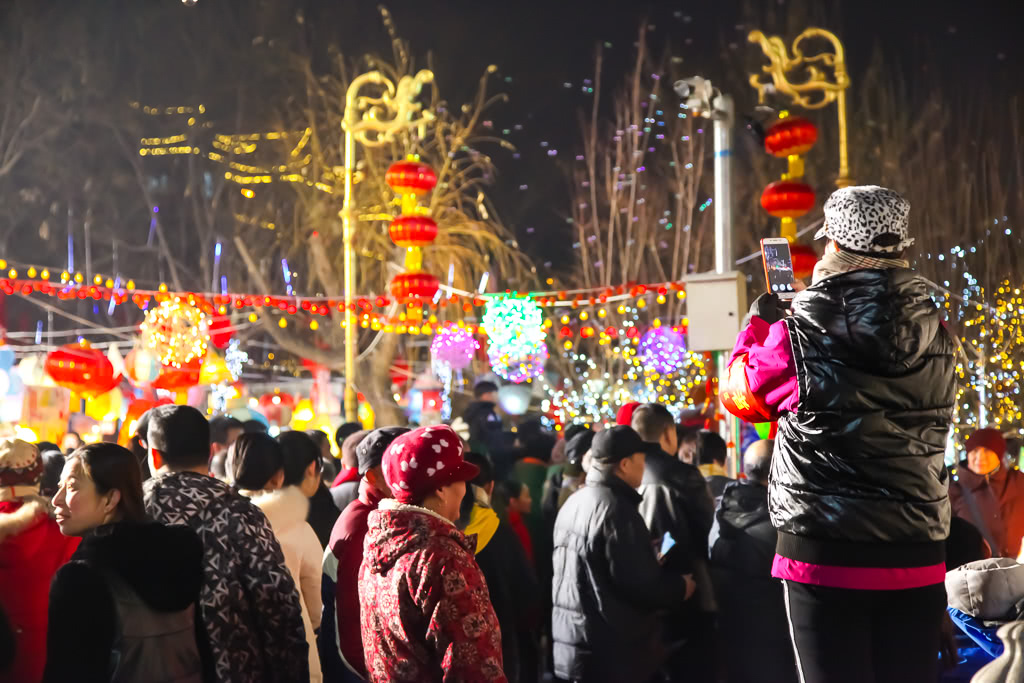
344, 431
685, 433
651, 420
299, 450
710, 448
253, 460
53, 463
513, 488
181, 434
485, 477
539, 445
484, 387
572, 430
114, 467
254, 427
319, 437
44, 446
220, 426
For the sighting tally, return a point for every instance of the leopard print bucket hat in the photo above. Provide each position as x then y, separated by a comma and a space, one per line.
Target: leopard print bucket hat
867, 218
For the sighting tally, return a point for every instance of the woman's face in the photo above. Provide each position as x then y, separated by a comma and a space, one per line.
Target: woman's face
80, 507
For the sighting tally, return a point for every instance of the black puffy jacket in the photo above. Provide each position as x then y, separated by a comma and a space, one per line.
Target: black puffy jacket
857, 476
607, 586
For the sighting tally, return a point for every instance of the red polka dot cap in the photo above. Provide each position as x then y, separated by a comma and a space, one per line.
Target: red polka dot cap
424, 460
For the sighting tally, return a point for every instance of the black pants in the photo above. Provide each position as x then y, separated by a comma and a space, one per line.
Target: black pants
861, 636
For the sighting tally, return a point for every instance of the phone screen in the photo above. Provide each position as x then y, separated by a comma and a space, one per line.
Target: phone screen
778, 268
667, 542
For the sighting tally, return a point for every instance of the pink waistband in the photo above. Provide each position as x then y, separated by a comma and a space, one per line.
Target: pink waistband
858, 578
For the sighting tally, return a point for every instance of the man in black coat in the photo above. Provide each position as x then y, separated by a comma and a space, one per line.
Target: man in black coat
751, 610
676, 502
608, 585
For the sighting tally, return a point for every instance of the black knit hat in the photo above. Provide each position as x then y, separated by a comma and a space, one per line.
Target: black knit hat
370, 451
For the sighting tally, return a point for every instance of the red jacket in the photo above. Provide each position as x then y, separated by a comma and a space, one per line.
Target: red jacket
998, 501
341, 576
31, 550
515, 520
424, 606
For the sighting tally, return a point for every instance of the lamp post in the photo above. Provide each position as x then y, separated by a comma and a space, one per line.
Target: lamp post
372, 121
817, 91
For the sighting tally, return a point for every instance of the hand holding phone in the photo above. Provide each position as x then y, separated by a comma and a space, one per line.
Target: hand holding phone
778, 267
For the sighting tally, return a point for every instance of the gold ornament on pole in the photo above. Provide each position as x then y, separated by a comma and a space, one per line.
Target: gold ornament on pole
372, 121
817, 91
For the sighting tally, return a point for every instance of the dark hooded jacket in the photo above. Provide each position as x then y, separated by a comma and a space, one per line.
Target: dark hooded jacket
124, 608
751, 609
608, 587
857, 477
484, 425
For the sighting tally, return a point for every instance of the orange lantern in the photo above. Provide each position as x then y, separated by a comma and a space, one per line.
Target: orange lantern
82, 369
790, 136
787, 199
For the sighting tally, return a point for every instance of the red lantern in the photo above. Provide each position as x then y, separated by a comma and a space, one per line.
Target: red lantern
787, 199
406, 287
82, 369
178, 379
804, 260
221, 329
400, 373
277, 398
410, 177
791, 135
413, 231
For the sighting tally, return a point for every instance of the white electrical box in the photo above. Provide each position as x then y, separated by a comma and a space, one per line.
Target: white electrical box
716, 304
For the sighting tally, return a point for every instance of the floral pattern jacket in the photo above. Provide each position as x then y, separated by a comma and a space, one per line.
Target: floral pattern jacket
425, 611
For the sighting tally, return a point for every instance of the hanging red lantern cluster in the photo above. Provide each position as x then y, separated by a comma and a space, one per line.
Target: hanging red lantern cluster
412, 230
82, 369
793, 135
181, 378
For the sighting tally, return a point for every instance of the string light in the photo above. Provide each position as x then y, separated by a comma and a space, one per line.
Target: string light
176, 331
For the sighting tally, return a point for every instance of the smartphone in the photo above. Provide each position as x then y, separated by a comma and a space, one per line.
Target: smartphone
666, 543
778, 267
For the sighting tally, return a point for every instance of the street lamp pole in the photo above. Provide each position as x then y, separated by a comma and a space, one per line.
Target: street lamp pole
816, 92
371, 121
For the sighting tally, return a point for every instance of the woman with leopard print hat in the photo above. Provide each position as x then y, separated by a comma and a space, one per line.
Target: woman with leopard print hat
859, 375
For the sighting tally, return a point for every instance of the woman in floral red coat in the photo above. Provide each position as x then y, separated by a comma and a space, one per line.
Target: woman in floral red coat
425, 611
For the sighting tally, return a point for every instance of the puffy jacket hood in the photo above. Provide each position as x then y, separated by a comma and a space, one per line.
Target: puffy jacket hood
396, 529
744, 504
162, 564
889, 311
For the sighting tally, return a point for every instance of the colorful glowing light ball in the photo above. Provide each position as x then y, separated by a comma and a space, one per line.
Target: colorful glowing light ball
518, 368
515, 324
663, 350
454, 347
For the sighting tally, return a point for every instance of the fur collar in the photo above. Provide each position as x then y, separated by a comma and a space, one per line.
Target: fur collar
33, 507
392, 504
284, 508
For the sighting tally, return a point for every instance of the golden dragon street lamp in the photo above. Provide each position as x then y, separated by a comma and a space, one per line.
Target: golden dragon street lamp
372, 121
817, 91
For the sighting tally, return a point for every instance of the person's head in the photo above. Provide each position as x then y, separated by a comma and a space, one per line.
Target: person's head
539, 444
349, 457
223, 432
426, 467
322, 441
44, 446
343, 432
578, 447
482, 483
572, 430
686, 447
519, 498
985, 451
867, 219
757, 461
655, 424
624, 416
70, 442
486, 391
623, 452
711, 448
302, 461
370, 455
100, 484
178, 439
254, 427
53, 465
256, 463
20, 466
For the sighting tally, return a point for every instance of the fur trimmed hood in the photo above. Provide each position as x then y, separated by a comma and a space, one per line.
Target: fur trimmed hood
284, 507
18, 513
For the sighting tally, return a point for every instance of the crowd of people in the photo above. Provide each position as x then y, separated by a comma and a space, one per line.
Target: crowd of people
212, 551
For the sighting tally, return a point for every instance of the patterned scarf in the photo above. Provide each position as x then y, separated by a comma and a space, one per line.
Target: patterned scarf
837, 262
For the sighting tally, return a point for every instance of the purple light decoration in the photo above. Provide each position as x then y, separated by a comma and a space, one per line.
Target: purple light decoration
663, 350
453, 347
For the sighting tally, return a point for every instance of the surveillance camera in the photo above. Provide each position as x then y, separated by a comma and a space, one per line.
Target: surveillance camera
682, 89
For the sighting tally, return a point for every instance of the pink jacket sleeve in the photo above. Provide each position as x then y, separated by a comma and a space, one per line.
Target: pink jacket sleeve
770, 370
